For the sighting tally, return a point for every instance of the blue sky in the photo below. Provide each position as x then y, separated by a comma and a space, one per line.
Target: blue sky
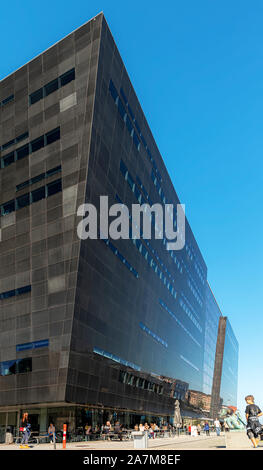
197, 68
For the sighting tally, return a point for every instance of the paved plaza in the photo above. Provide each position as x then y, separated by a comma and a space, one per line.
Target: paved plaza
228, 441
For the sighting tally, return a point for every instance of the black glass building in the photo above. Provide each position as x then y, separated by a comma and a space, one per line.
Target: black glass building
90, 329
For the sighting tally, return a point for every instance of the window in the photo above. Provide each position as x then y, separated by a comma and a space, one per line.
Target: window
8, 144
121, 109
22, 152
21, 137
36, 96
130, 111
22, 201
129, 124
8, 100
113, 91
123, 168
37, 144
54, 187
124, 97
53, 171
38, 194
52, 136
136, 140
8, 159
7, 368
67, 77
34, 345
37, 178
23, 365
137, 126
8, 207
51, 87
23, 290
8, 294
12, 293
18, 366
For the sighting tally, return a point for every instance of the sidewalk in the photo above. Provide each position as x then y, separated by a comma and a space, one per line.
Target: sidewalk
163, 443
238, 440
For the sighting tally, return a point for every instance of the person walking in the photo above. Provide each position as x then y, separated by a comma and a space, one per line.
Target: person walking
199, 429
206, 428
226, 427
25, 427
254, 428
217, 427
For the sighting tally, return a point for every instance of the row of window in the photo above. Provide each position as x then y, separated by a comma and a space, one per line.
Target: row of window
123, 112
140, 198
115, 358
153, 335
195, 286
29, 198
161, 193
44, 343
188, 312
145, 253
125, 172
121, 257
31, 147
38, 178
15, 292
7, 100
128, 177
195, 294
166, 308
52, 86
17, 366
151, 262
139, 382
124, 115
199, 272
190, 305
14, 141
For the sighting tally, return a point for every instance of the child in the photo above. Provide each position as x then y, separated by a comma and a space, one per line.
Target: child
254, 428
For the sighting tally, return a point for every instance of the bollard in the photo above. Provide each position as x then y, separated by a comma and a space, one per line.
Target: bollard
54, 441
64, 435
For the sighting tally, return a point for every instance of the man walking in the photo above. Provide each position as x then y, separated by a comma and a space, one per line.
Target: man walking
217, 427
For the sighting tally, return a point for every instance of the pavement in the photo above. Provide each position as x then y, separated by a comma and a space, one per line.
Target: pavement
229, 441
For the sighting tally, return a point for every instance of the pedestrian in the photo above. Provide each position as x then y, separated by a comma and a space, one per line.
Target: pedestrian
198, 429
25, 427
217, 426
254, 428
117, 430
107, 429
189, 430
88, 431
206, 428
226, 427
51, 433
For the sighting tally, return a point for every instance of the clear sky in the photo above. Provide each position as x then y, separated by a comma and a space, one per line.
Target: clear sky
197, 68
